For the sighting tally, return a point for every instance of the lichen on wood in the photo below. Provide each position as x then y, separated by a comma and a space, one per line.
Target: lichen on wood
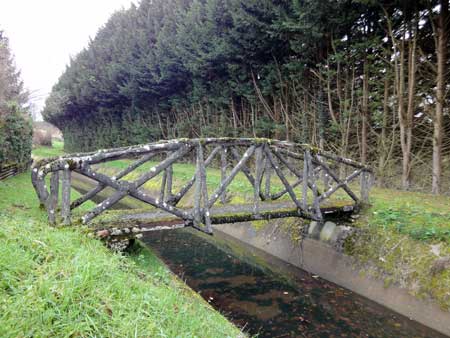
257, 162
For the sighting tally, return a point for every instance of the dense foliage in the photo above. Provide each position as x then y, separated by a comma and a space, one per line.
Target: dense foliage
364, 78
15, 138
15, 125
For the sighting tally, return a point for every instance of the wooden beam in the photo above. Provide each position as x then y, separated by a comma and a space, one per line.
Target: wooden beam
346, 181
312, 178
268, 176
327, 169
223, 172
100, 187
203, 188
134, 151
162, 192
231, 176
125, 188
177, 198
197, 212
246, 171
36, 182
137, 194
53, 199
365, 186
291, 168
263, 215
283, 192
65, 197
259, 172
283, 178
305, 183
169, 183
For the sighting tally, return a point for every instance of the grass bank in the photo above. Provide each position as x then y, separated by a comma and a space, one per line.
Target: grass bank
59, 282
404, 236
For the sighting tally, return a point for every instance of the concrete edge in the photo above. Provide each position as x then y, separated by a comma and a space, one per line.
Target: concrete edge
321, 259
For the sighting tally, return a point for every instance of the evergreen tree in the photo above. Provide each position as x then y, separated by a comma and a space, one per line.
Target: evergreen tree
351, 76
15, 124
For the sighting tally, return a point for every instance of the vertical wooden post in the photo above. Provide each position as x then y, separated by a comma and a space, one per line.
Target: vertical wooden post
311, 175
197, 193
65, 198
258, 178
305, 181
268, 174
38, 183
325, 178
204, 190
201, 193
162, 191
169, 183
365, 184
53, 198
223, 173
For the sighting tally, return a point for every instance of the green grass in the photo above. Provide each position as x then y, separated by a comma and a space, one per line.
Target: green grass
56, 150
403, 234
421, 216
60, 282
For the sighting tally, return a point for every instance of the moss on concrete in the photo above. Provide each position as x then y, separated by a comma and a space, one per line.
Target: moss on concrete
401, 260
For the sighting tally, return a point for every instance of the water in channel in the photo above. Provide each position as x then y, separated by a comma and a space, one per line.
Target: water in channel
270, 298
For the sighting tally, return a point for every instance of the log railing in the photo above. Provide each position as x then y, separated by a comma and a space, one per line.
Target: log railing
299, 167
12, 169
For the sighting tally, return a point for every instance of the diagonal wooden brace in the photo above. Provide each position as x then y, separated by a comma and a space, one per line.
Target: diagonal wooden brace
344, 186
283, 179
340, 184
231, 176
99, 188
246, 172
175, 199
124, 188
201, 214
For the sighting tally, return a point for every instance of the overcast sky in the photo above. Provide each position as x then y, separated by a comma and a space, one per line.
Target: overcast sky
44, 34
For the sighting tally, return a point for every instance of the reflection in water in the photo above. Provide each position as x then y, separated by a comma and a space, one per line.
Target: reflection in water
265, 303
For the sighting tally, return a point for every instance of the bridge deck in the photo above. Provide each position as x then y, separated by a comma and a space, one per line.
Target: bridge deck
119, 223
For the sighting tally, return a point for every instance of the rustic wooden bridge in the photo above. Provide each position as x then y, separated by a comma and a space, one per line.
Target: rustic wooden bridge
308, 176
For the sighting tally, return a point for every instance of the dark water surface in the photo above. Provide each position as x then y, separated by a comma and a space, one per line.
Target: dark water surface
271, 298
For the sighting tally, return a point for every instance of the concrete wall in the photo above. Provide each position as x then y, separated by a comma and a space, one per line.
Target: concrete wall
321, 259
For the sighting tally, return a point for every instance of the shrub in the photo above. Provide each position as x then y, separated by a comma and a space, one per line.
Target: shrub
15, 136
42, 137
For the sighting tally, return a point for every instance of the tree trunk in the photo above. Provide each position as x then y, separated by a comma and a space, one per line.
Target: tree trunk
382, 145
410, 112
365, 112
441, 53
401, 117
406, 116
